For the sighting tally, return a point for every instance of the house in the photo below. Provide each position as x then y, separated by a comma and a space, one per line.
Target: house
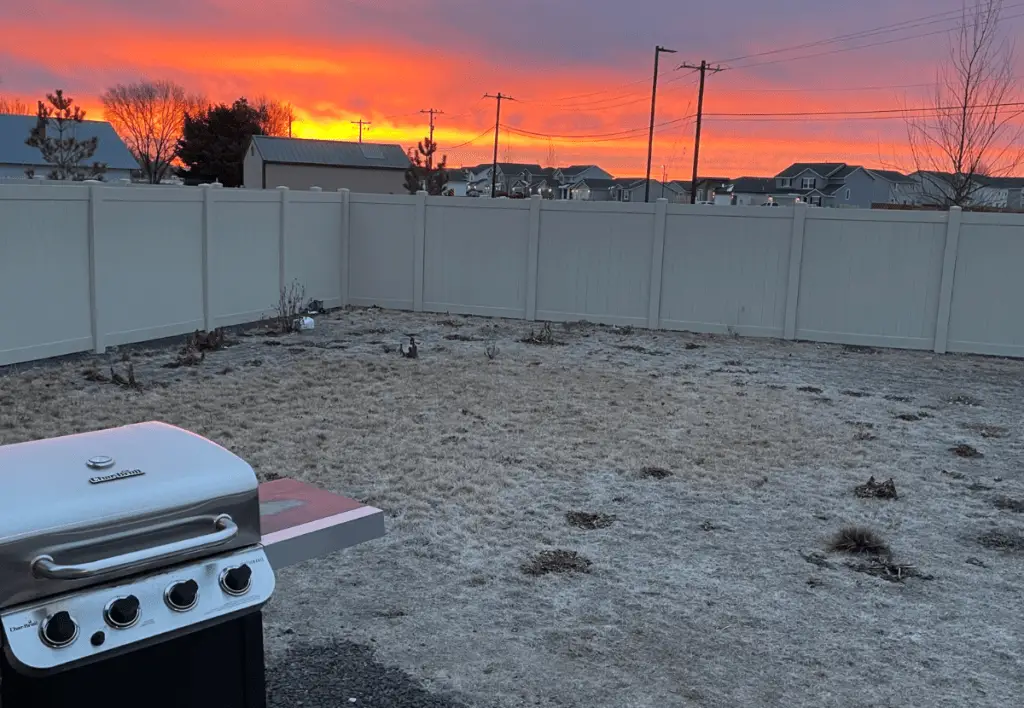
634, 189
593, 189
1004, 192
568, 176
508, 175
707, 188
297, 163
750, 191
458, 181
830, 184
17, 158
902, 188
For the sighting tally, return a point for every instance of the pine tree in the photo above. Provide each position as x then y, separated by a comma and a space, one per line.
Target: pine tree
423, 173
54, 136
213, 143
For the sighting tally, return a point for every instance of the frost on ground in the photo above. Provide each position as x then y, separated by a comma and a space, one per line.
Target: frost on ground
712, 587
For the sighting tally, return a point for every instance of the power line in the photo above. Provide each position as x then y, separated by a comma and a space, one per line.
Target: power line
934, 18
806, 114
470, 142
361, 123
858, 47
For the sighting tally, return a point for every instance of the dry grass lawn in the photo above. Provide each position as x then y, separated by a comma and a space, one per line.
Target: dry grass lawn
693, 485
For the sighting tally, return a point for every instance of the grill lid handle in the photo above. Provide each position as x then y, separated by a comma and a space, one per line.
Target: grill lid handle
45, 567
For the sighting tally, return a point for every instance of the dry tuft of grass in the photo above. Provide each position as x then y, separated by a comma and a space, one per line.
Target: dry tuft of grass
877, 490
887, 570
1009, 504
858, 540
589, 521
966, 451
545, 337
556, 561
1012, 541
651, 472
809, 389
963, 399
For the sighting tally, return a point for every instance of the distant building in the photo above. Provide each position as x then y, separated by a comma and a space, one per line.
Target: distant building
833, 184
751, 191
370, 168
634, 189
17, 158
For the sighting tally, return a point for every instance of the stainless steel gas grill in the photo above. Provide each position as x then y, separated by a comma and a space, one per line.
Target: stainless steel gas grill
131, 572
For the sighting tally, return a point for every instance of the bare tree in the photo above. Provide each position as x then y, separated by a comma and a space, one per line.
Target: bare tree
276, 116
148, 116
13, 106
970, 129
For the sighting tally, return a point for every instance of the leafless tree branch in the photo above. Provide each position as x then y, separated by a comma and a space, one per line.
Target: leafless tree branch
148, 116
972, 127
276, 117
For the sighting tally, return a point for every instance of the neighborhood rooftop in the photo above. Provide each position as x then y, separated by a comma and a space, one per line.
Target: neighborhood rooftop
333, 153
15, 129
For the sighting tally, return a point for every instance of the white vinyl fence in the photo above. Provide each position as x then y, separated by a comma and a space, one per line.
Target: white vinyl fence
86, 266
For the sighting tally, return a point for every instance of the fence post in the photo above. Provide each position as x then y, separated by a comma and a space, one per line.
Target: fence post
419, 250
345, 240
796, 259
282, 240
96, 324
953, 221
532, 252
657, 263
207, 281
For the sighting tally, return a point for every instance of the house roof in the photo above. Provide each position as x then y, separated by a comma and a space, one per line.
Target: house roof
333, 153
110, 149
596, 183
825, 169
830, 189
576, 168
1002, 182
891, 175
753, 185
843, 171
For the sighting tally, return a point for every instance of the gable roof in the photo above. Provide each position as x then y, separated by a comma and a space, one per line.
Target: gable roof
110, 149
891, 175
1002, 182
753, 185
596, 183
332, 153
823, 169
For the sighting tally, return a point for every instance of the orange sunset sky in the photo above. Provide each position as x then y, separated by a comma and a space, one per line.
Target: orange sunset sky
578, 69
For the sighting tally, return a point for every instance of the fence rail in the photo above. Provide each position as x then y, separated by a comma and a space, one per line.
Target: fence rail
84, 267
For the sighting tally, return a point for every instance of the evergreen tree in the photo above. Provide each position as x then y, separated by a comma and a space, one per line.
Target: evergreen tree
213, 143
423, 173
54, 136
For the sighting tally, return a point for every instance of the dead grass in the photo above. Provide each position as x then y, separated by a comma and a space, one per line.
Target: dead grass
877, 490
476, 462
966, 451
589, 521
557, 561
858, 540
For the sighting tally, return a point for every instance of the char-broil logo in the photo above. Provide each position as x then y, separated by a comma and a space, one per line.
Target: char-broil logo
19, 627
123, 474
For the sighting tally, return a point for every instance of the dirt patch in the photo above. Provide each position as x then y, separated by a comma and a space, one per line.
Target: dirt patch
732, 362
909, 417
368, 331
556, 561
856, 394
859, 349
589, 521
810, 389
876, 490
966, 451
898, 399
655, 472
987, 431
865, 436
887, 570
450, 323
858, 540
690, 346
639, 349
818, 559
1009, 504
1012, 541
462, 338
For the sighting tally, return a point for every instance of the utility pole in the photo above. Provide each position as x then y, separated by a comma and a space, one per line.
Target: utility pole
361, 123
650, 136
497, 123
703, 69
432, 112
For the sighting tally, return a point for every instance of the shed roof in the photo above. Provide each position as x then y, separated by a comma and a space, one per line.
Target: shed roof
332, 153
110, 149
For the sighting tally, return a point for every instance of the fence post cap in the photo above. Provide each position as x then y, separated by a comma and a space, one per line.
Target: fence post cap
282, 188
316, 189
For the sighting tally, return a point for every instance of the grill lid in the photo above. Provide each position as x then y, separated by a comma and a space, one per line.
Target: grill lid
84, 509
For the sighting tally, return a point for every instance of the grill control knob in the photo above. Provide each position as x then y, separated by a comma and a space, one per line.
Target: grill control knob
59, 629
123, 612
236, 581
182, 596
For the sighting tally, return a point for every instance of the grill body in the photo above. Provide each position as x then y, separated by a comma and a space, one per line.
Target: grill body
217, 667
131, 572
